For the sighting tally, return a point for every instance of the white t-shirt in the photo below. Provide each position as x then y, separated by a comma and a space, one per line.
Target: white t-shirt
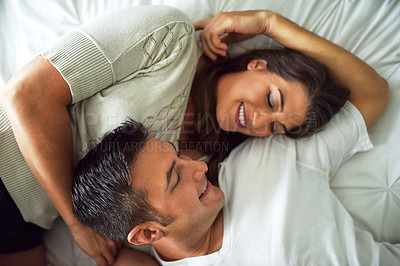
280, 210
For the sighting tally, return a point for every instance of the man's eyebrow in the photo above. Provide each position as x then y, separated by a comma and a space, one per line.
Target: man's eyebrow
280, 92
169, 174
171, 168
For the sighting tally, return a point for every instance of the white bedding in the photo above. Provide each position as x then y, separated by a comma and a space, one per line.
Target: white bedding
368, 184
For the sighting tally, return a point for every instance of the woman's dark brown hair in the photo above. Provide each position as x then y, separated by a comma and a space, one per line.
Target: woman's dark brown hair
324, 95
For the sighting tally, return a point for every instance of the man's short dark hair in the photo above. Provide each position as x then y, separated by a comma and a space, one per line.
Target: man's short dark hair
102, 193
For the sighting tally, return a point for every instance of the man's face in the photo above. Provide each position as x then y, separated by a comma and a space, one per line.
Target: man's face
177, 186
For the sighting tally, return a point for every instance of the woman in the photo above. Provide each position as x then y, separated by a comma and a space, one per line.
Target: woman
49, 153
296, 98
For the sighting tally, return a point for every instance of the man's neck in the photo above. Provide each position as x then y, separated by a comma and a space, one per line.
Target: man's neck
210, 242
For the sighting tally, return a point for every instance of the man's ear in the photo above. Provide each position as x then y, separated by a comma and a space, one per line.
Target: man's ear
257, 64
144, 234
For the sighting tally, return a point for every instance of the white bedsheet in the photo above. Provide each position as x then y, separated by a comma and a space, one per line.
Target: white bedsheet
368, 184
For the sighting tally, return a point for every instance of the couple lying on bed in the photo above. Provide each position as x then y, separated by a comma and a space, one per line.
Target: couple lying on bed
269, 202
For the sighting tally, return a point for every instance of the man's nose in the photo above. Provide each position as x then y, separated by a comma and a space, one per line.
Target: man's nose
199, 170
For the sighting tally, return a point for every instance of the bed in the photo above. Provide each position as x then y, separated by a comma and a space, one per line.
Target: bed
368, 184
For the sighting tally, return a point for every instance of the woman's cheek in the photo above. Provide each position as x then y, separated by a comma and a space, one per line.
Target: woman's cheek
221, 120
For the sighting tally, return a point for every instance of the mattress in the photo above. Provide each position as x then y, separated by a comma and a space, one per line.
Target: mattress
368, 184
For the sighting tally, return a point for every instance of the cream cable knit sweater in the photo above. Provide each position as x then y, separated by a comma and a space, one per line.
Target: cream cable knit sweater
136, 63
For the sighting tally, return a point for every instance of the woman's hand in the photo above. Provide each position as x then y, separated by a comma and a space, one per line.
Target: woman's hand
100, 248
231, 27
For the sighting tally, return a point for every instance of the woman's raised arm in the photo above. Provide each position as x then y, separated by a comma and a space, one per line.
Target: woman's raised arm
369, 91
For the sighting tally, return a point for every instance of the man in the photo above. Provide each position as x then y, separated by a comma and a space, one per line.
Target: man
273, 205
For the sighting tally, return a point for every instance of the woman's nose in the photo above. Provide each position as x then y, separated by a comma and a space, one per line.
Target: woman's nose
260, 120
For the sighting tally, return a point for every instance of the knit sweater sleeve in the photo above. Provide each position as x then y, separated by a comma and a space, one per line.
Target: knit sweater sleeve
112, 49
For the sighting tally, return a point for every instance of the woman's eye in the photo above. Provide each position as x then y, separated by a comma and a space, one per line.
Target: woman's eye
269, 100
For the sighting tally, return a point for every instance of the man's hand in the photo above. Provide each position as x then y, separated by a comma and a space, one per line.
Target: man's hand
230, 27
100, 248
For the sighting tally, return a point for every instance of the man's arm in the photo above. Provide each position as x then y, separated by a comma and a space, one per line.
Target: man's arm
369, 91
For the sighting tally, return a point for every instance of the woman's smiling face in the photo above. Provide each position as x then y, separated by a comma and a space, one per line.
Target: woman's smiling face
259, 103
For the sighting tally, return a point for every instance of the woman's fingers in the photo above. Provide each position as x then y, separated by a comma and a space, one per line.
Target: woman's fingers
210, 37
201, 24
100, 248
209, 47
215, 45
100, 260
207, 50
108, 252
109, 257
113, 247
228, 27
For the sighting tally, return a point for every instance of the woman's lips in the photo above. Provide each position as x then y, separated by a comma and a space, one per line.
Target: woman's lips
241, 120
